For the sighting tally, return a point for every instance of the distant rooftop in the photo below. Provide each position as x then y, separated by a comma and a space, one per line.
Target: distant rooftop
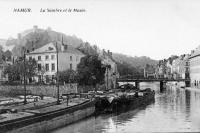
195, 52
51, 47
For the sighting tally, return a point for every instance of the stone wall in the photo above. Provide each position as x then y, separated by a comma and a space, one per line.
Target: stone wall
46, 90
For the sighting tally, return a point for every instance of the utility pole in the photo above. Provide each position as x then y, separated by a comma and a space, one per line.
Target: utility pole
107, 75
57, 83
25, 101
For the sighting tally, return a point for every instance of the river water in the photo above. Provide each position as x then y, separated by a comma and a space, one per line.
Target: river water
174, 110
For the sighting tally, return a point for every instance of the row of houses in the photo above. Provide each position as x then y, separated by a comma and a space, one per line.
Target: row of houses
186, 66
173, 67
67, 57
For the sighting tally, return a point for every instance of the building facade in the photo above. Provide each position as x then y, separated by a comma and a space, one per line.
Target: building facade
194, 61
46, 57
111, 73
180, 67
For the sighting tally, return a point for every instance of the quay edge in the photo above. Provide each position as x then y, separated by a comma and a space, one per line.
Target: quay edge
49, 121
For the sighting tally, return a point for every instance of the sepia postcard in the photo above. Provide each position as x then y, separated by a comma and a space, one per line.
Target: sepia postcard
99, 66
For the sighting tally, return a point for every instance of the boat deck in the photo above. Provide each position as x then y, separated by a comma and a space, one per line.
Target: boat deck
31, 109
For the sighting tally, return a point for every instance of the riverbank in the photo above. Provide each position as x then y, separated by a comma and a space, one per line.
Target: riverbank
44, 119
45, 115
192, 89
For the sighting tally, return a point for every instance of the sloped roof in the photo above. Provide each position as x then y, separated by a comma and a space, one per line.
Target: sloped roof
51, 47
46, 48
196, 52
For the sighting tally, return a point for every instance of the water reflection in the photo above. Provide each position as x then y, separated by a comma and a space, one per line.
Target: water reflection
174, 110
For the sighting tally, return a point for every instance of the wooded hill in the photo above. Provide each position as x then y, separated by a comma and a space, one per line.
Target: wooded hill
36, 38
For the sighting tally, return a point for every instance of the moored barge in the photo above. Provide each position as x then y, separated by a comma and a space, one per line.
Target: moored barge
123, 99
46, 119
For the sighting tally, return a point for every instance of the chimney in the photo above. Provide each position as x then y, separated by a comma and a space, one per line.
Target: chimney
33, 49
103, 51
49, 29
35, 28
19, 36
110, 54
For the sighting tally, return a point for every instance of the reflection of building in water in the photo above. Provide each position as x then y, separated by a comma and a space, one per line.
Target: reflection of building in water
187, 101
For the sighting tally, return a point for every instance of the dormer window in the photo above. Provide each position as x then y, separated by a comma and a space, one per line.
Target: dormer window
50, 48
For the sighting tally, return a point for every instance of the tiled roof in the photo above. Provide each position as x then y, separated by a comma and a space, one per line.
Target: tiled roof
46, 48
72, 50
51, 47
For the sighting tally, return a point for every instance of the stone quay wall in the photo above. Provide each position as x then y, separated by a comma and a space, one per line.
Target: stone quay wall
46, 90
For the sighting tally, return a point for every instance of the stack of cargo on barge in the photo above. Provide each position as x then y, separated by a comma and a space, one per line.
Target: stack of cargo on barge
127, 96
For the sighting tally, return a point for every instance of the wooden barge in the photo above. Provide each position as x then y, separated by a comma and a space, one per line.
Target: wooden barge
45, 119
116, 101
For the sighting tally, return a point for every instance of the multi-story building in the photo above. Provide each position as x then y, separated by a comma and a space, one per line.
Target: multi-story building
149, 71
161, 69
46, 57
169, 74
194, 62
180, 67
111, 73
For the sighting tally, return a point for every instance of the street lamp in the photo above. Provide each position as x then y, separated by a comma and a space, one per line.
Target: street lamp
57, 78
24, 50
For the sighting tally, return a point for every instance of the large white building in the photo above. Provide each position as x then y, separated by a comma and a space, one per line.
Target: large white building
46, 57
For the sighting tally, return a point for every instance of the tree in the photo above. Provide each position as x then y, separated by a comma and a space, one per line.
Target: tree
17, 70
68, 76
41, 71
90, 70
126, 69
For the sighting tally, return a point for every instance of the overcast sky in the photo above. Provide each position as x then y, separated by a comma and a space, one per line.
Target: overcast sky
154, 28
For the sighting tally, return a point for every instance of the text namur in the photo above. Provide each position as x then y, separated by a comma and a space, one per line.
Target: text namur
24, 10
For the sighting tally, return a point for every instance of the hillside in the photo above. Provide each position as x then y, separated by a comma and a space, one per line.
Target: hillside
35, 38
3, 44
134, 61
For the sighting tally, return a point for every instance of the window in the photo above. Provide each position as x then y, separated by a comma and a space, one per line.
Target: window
65, 47
39, 67
39, 57
76, 58
70, 66
52, 57
47, 79
50, 48
70, 58
46, 57
39, 78
47, 67
53, 77
53, 66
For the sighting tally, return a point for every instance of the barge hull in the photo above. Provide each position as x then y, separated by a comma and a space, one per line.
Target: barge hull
47, 122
